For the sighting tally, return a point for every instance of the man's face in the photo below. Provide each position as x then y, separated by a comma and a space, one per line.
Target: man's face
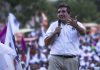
63, 14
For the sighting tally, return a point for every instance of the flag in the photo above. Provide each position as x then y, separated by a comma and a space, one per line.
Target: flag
23, 43
12, 28
44, 23
2, 34
27, 58
44, 27
44, 20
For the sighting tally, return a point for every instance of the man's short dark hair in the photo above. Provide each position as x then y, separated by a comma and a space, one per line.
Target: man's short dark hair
65, 5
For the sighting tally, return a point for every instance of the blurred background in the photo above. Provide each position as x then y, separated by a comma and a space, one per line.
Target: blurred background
24, 10
34, 17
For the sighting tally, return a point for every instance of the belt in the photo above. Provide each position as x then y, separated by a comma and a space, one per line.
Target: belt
66, 56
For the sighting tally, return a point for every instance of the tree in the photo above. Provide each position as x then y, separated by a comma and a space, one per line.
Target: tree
85, 10
24, 9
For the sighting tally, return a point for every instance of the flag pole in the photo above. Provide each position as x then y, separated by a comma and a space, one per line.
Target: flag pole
18, 67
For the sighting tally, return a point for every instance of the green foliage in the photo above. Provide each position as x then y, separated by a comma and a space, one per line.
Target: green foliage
29, 8
85, 10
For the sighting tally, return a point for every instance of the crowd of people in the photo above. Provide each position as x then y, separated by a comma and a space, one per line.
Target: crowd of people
90, 47
34, 54
38, 58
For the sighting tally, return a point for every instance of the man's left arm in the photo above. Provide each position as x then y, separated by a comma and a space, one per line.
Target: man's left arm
79, 26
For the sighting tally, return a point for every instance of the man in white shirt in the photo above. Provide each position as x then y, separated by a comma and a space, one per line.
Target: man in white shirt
62, 37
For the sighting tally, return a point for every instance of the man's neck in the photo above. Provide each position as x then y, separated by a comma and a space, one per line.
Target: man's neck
63, 22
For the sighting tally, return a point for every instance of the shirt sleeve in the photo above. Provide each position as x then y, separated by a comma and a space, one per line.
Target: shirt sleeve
81, 25
50, 29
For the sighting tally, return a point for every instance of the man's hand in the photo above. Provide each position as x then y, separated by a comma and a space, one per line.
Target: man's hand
49, 40
72, 21
57, 30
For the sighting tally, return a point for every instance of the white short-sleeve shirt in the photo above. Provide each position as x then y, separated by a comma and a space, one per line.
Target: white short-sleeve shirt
68, 41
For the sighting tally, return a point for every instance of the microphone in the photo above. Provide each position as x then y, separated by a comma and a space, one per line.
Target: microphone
59, 24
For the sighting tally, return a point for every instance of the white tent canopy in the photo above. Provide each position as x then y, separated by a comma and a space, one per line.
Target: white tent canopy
24, 30
91, 24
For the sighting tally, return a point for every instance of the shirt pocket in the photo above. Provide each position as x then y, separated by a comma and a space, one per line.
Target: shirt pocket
73, 34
